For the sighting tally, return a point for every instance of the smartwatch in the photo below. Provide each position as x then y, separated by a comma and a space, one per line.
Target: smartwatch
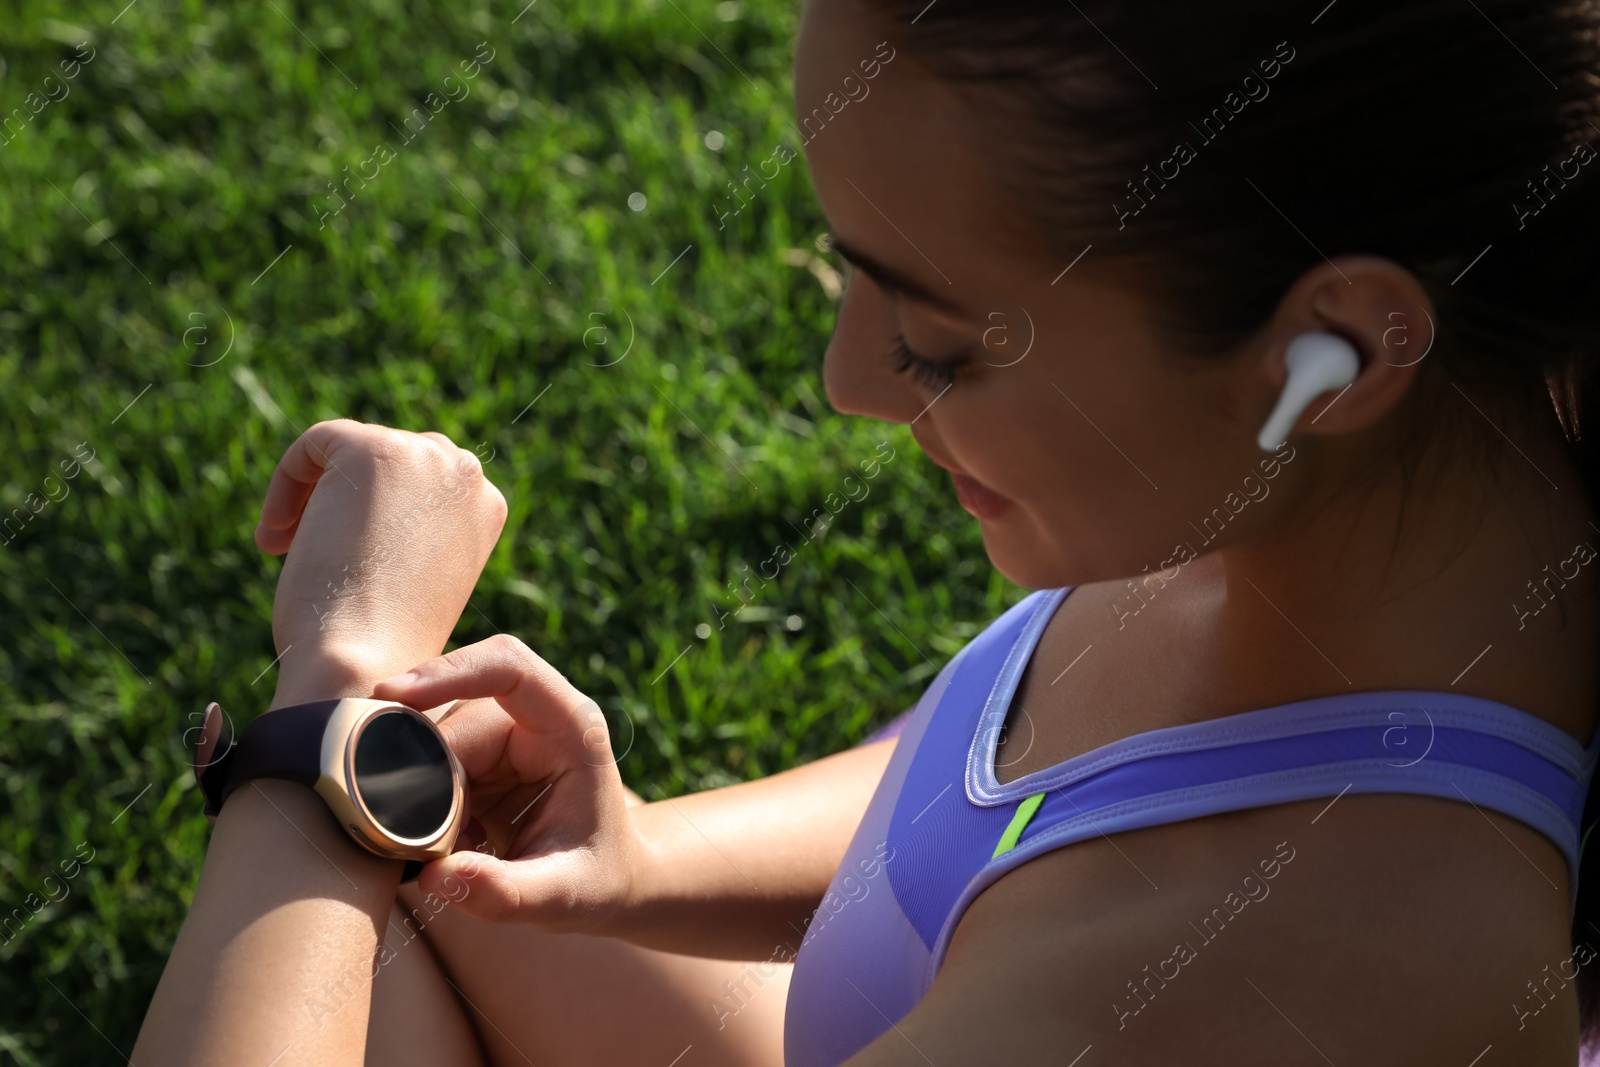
382, 768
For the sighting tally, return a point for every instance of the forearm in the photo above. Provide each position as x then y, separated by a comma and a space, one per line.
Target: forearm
276, 954
737, 872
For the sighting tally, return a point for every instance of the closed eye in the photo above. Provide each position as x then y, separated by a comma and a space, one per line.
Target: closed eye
924, 371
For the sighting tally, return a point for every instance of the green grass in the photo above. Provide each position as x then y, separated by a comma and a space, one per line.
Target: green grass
450, 293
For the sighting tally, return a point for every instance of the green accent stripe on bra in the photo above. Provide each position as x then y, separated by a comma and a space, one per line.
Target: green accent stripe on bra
1019, 822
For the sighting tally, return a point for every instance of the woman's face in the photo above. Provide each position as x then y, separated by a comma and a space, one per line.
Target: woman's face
1073, 433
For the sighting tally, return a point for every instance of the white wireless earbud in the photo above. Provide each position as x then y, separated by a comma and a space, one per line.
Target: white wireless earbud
1317, 362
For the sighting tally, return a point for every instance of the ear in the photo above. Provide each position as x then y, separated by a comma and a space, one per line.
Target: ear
1382, 310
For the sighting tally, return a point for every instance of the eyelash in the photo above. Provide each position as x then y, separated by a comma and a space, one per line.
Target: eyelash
924, 371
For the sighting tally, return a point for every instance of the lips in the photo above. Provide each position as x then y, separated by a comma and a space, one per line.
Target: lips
978, 498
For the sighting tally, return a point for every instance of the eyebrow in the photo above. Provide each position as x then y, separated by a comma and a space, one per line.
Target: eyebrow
894, 281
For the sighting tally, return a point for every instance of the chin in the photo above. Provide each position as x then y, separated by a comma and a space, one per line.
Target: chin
1033, 557
1027, 561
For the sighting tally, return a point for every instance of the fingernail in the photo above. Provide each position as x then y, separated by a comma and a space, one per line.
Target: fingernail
400, 680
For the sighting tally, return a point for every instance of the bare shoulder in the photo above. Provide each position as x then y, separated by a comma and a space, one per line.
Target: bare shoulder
1383, 929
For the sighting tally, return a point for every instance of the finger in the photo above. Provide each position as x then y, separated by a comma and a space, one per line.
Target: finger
302, 466
434, 435
476, 731
534, 693
216, 737
471, 836
547, 891
463, 458
443, 711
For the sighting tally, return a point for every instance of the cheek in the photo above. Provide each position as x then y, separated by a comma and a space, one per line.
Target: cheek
1103, 464
1061, 439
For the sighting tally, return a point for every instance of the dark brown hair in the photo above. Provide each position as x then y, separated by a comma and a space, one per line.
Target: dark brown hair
1457, 139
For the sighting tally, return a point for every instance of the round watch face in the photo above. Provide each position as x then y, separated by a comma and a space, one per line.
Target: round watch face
402, 774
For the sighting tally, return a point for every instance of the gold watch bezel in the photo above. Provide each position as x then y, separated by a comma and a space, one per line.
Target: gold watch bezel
336, 784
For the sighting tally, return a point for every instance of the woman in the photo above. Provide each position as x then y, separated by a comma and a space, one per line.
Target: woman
1085, 243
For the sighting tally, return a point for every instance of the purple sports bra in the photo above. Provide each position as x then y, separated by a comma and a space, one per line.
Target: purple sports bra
941, 828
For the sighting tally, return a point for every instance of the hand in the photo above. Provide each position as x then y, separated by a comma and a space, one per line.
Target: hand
387, 532
543, 789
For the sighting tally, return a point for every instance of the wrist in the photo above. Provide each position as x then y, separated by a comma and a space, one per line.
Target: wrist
647, 879
324, 672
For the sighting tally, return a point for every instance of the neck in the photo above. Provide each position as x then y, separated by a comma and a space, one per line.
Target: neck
1467, 575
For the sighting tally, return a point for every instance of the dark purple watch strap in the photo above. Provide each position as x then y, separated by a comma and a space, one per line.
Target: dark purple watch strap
286, 743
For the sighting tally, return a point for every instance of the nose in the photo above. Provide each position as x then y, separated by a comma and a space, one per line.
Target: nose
858, 371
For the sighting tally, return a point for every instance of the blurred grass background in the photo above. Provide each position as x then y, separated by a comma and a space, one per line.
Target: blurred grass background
174, 302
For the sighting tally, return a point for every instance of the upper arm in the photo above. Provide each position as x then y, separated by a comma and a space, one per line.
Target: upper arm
1403, 930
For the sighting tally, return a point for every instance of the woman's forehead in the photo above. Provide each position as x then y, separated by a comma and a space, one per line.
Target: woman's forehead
896, 159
